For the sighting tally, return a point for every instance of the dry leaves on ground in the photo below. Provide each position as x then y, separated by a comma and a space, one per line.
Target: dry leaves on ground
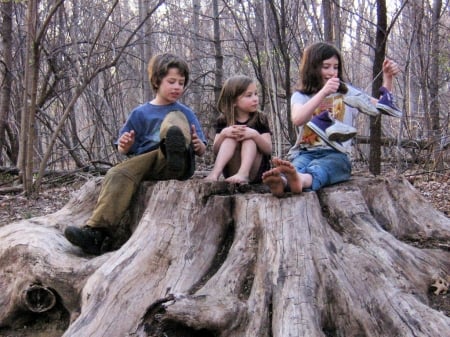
14, 207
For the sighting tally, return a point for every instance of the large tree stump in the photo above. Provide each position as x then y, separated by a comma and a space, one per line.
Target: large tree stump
212, 259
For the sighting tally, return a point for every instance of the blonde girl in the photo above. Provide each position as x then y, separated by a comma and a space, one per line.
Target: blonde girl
242, 144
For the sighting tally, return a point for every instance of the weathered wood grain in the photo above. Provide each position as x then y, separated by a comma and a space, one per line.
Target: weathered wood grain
212, 259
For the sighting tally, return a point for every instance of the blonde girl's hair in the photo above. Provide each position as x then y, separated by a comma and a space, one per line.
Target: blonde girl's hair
233, 87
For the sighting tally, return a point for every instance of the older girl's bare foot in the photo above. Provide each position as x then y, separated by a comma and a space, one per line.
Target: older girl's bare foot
294, 180
211, 177
274, 180
237, 179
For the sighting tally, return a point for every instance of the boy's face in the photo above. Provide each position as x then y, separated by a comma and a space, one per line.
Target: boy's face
171, 87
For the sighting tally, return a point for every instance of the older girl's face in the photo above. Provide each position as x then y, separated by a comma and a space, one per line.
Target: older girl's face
329, 69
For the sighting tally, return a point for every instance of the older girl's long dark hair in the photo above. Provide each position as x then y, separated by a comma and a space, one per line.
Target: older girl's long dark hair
310, 77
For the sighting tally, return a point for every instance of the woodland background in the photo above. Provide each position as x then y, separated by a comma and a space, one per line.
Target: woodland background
71, 71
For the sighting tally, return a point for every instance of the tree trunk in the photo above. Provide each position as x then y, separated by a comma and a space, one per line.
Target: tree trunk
146, 49
5, 75
437, 133
27, 123
218, 56
380, 53
328, 31
197, 57
213, 259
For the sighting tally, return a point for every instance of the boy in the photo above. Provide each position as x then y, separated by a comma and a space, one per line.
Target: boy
162, 136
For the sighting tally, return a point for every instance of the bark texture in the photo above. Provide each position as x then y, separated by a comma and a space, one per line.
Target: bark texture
213, 259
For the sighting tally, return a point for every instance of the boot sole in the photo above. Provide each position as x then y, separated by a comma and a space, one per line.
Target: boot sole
387, 110
175, 150
335, 145
362, 107
341, 137
341, 132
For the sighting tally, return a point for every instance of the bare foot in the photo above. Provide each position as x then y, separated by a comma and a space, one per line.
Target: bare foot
211, 177
274, 180
293, 178
237, 179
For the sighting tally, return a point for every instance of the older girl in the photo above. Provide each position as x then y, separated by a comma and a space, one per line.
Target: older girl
315, 161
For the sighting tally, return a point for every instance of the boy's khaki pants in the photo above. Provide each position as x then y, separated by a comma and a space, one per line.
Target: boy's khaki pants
122, 181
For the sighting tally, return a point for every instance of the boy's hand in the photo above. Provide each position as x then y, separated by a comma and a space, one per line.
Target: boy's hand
199, 146
126, 141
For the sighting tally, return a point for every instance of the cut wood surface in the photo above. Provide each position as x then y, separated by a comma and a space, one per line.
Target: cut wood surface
213, 259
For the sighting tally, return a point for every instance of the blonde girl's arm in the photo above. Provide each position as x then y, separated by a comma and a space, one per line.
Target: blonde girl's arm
228, 132
264, 142
218, 139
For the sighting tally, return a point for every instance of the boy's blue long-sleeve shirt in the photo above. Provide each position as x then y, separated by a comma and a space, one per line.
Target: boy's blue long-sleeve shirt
146, 121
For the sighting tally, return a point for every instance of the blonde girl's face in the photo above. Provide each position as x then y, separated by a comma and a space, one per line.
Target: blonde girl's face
329, 69
248, 101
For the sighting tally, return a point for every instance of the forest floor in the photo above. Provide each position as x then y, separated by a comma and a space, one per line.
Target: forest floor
57, 192
54, 195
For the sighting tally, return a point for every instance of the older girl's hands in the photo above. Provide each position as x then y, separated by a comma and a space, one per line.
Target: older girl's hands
390, 68
331, 86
